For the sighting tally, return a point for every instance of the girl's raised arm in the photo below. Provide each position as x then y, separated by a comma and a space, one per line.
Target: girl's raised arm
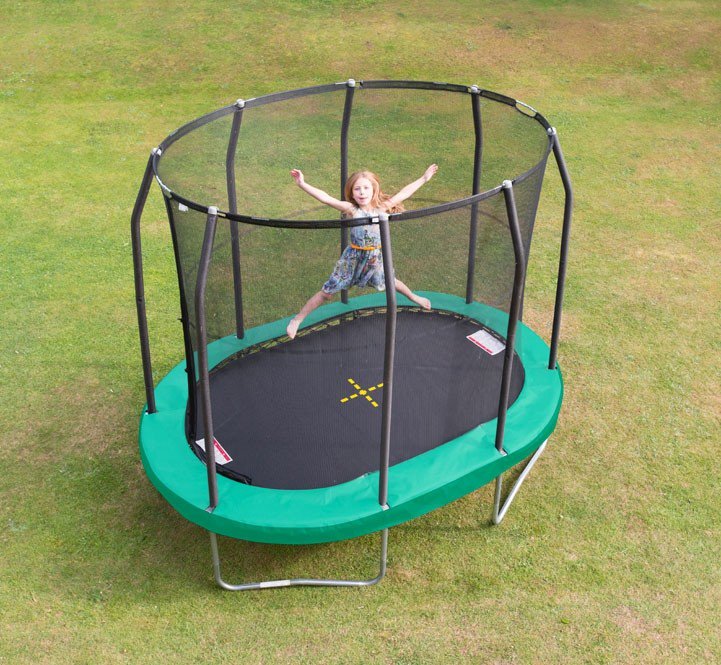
411, 189
323, 197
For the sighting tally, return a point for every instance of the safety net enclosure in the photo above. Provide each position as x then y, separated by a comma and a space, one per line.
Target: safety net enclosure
379, 410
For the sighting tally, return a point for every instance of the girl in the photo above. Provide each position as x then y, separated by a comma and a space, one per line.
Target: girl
361, 263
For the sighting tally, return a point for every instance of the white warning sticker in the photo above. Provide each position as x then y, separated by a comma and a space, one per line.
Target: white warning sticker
487, 342
221, 455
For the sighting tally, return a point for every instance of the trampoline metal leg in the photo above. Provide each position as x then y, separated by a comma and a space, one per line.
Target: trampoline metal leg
499, 512
275, 584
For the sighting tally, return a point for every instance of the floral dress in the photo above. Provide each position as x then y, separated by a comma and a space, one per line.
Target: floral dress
361, 263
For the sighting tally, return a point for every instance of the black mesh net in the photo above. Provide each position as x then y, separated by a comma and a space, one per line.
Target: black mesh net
395, 133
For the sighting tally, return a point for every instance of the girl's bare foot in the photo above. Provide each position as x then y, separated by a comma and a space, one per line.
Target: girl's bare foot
292, 328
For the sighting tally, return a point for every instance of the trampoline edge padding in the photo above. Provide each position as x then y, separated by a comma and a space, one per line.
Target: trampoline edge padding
416, 486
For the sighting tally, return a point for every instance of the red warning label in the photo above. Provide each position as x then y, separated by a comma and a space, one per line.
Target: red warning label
486, 341
221, 454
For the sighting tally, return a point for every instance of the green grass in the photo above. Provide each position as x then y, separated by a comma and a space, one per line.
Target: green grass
610, 554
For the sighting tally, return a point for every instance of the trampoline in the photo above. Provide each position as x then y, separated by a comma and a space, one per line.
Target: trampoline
378, 411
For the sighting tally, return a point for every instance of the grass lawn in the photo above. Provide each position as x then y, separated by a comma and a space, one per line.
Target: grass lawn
611, 552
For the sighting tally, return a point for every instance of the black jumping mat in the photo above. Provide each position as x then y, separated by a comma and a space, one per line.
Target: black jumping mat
306, 413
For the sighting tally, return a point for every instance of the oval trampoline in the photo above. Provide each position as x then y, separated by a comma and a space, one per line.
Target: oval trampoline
379, 410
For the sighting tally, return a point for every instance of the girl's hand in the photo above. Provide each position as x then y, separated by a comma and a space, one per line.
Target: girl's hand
430, 172
297, 176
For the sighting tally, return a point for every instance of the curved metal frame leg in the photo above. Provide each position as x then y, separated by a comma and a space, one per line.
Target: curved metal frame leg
274, 584
499, 512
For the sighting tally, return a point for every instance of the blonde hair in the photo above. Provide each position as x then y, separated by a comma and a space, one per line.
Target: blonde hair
378, 199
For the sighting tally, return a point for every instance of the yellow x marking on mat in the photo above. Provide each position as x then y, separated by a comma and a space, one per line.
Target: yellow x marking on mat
362, 392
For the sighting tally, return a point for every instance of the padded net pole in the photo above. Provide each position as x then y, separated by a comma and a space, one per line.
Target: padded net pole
519, 278
200, 285
139, 282
389, 358
565, 237
477, 158
233, 207
344, 230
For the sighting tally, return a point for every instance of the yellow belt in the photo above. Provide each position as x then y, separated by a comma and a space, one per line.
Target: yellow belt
370, 248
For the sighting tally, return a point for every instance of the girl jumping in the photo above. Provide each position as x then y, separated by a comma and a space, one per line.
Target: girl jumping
361, 263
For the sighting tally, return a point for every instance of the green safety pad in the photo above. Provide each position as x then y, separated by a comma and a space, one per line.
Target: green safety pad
415, 486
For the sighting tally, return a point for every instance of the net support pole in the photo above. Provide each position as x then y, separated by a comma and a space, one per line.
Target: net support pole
139, 281
200, 285
477, 159
347, 109
565, 237
233, 207
388, 360
519, 278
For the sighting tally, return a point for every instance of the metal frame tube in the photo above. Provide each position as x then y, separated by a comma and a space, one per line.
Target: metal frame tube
416, 85
499, 512
301, 581
233, 208
201, 283
565, 237
519, 278
477, 158
347, 109
140, 284
389, 357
